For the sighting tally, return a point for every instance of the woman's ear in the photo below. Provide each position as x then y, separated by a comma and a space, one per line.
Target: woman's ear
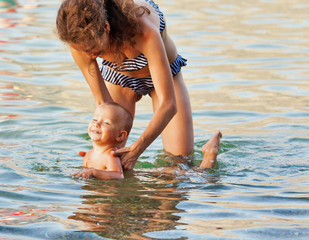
122, 136
107, 27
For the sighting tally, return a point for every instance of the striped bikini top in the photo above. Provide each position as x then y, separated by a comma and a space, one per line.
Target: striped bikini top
141, 61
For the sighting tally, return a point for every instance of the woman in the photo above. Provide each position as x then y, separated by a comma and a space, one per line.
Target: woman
139, 58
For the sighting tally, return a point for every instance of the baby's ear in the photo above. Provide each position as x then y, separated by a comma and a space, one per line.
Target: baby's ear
122, 136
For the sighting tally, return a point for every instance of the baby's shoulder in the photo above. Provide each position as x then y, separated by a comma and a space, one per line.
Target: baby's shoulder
95, 159
89, 154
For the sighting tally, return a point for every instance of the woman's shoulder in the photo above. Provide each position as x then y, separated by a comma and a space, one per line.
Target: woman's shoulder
149, 21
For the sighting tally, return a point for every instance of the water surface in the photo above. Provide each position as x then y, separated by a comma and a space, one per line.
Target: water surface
247, 75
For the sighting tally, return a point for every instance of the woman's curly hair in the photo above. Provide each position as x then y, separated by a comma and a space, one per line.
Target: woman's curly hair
79, 21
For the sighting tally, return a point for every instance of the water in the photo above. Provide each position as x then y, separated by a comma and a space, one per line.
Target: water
247, 75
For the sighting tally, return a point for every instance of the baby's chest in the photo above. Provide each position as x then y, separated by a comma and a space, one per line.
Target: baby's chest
97, 164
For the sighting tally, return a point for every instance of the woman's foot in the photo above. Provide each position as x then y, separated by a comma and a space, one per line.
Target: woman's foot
210, 151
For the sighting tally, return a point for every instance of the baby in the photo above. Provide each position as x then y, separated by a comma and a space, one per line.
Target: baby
109, 130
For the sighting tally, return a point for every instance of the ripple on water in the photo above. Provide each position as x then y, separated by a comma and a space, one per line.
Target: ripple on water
275, 233
45, 231
247, 74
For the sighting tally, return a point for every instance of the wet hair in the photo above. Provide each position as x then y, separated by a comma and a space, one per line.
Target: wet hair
126, 119
80, 21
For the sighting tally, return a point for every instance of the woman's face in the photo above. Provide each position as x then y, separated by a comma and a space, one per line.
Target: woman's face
92, 48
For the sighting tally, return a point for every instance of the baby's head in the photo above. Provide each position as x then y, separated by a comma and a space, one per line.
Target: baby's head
111, 124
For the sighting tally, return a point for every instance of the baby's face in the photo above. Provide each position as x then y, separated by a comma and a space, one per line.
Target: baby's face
105, 125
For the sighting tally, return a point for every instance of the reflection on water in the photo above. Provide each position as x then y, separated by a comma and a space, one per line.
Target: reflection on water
247, 75
135, 207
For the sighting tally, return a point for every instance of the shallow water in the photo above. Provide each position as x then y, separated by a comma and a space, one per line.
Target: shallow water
247, 75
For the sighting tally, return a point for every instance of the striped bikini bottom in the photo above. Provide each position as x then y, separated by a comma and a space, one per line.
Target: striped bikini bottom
141, 86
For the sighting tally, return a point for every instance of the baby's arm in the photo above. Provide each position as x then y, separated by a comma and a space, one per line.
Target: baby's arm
101, 174
112, 170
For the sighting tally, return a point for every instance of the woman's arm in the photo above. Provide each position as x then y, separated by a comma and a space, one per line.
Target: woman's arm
161, 75
90, 69
151, 45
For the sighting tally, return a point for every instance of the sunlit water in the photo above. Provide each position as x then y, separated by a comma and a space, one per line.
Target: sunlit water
248, 75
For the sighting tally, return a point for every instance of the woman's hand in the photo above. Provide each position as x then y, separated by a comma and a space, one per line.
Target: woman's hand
128, 156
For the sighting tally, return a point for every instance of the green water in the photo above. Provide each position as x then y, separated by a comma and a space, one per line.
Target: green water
247, 75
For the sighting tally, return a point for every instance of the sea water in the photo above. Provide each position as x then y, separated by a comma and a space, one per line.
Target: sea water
247, 75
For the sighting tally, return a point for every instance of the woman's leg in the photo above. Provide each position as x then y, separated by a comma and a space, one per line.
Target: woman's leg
123, 96
211, 150
178, 137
